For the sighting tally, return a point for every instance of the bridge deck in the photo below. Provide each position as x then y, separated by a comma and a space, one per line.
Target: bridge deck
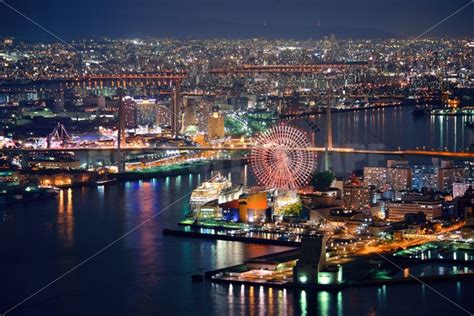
447, 154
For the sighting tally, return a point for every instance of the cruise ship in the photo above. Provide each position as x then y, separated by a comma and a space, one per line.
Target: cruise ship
209, 191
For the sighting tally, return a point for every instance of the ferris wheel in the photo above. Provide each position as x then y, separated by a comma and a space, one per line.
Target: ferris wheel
281, 158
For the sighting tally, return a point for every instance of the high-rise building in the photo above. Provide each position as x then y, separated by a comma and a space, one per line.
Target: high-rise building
400, 178
356, 195
396, 176
129, 108
146, 112
216, 126
176, 108
190, 115
204, 111
377, 177
459, 188
425, 176
449, 174
163, 115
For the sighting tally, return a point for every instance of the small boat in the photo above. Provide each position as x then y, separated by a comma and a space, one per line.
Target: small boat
106, 181
27, 194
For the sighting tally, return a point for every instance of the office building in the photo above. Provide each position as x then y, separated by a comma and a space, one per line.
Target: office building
216, 126
397, 211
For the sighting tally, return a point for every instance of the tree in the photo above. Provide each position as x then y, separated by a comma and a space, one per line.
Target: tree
321, 181
292, 209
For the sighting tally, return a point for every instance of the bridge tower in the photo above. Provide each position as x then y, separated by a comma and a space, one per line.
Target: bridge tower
121, 119
121, 131
175, 106
329, 144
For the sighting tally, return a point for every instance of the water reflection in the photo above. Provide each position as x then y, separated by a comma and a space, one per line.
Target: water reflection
303, 303
386, 128
65, 218
146, 235
260, 300
324, 302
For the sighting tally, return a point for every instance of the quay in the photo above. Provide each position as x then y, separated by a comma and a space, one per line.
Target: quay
251, 240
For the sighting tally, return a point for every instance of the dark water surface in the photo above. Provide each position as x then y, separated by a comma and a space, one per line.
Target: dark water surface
146, 273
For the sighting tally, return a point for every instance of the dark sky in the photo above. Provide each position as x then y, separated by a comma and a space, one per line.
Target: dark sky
73, 19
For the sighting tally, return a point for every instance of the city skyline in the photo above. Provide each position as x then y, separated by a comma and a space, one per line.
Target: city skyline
225, 157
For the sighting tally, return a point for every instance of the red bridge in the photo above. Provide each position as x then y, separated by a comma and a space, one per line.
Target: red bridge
298, 69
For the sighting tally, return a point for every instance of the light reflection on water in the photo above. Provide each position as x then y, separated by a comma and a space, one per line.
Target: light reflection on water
147, 273
65, 218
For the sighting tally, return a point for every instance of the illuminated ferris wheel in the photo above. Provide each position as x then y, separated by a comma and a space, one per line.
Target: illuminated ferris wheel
281, 159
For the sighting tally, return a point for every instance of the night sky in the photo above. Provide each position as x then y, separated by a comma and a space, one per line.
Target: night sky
298, 19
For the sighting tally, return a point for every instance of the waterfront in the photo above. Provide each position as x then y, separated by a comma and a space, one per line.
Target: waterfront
148, 273
387, 129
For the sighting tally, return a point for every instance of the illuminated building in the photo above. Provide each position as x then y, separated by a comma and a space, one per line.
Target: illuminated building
190, 111
129, 105
163, 115
311, 266
8, 41
449, 174
229, 202
62, 179
459, 188
356, 195
438, 177
230, 210
205, 109
215, 128
400, 178
146, 112
425, 176
377, 177
396, 176
208, 191
397, 211
58, 162
253, 207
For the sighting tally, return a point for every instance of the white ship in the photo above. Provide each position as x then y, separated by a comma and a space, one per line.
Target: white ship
209, 191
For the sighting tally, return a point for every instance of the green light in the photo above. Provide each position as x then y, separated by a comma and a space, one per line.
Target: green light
303, 279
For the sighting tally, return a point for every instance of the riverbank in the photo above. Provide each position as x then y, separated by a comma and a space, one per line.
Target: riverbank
356, 274
182, 169
359, 271
333, 110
